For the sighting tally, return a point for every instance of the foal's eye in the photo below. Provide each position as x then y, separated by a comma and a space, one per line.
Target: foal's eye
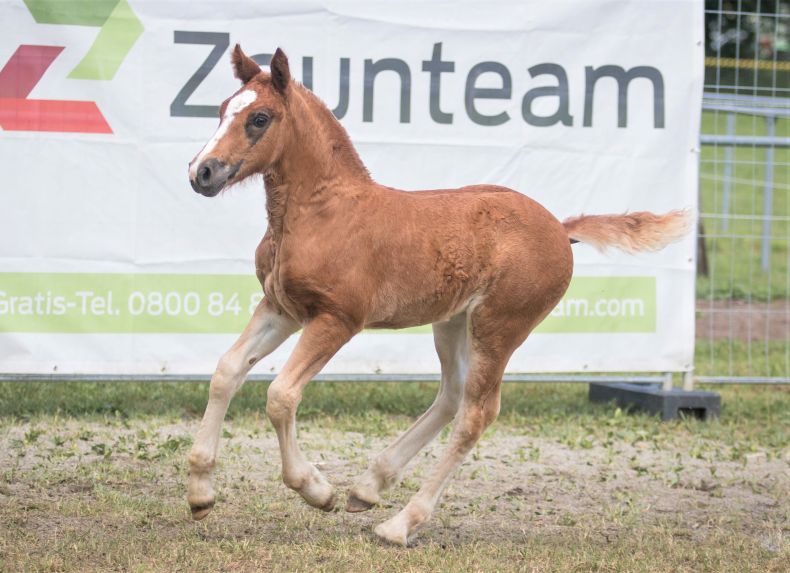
260, 120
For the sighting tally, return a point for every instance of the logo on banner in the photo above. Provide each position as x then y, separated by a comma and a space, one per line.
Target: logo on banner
119, 30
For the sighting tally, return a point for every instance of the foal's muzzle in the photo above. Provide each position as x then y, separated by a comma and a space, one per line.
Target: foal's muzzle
212, 175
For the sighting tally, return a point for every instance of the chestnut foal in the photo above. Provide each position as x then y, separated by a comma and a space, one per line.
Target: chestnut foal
483, 264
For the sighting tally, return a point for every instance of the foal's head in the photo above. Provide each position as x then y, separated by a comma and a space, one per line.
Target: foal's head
250, 134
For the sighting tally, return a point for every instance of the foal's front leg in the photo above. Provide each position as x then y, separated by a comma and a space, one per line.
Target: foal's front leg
320, 339
267, 329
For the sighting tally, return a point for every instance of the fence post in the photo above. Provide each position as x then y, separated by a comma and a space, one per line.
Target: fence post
728, 151
768, 194
688, 380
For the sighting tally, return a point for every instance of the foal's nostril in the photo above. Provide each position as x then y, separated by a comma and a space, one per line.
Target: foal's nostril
204, 174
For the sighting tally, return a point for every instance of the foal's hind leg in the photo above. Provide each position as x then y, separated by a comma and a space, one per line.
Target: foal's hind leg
479, 408
451, 345
492, 340
267, 329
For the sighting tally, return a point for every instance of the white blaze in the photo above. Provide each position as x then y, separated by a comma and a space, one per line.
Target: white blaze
235, 105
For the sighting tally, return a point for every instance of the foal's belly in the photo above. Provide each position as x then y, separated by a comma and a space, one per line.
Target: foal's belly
414, 313
430, 290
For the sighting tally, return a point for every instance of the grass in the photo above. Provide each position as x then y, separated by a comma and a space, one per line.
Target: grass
742, 358
92, 477
734, 251
759, 415
379, 408
751, 415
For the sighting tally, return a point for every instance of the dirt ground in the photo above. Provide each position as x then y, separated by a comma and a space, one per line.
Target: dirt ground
108, 485
742, 320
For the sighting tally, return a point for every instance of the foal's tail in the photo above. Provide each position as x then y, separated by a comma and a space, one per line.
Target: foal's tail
631, 232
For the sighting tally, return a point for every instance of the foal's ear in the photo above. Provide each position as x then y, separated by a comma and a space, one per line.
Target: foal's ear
281, 73
244, 67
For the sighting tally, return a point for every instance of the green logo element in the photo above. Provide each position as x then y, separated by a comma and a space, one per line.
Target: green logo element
119, 30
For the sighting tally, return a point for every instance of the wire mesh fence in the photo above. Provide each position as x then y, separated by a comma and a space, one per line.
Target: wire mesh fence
743, 284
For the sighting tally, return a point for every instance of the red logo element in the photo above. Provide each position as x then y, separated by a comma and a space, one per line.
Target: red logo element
17, 113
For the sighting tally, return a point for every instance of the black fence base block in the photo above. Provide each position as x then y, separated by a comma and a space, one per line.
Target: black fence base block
671, 404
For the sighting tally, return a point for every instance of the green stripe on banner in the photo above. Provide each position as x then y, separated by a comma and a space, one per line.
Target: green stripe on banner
605, 304
179, 303
144, 303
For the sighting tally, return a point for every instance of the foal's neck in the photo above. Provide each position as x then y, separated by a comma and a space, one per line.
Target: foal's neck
318, 160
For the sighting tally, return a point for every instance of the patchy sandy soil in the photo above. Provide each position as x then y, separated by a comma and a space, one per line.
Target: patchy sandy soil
93, 477
740, 320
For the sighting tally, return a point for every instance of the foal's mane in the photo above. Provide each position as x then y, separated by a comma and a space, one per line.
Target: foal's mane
329, 138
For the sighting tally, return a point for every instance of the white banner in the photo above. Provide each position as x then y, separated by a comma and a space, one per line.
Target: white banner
110, 263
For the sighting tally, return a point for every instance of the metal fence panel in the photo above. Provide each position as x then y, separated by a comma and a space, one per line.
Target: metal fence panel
743, 285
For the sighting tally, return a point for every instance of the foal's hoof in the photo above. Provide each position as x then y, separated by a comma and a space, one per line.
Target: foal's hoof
392, 532
356, 505
329, 505
317, 492
325, 500
202, 510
